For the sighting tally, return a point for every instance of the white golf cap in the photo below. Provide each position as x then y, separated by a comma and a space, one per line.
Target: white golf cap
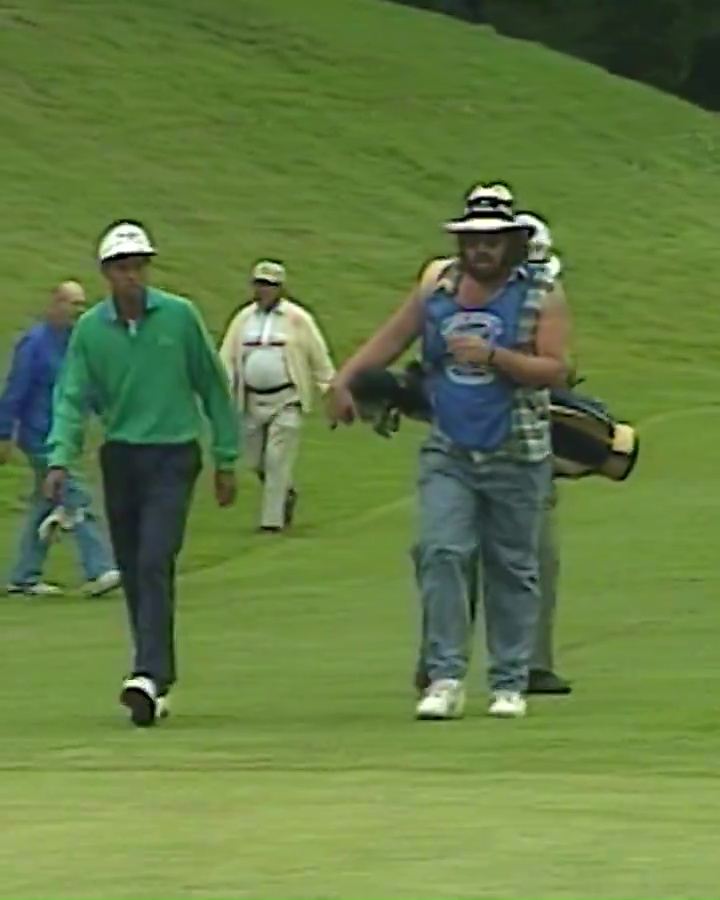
487, 208
541, 242
555, 267
125, 239
270, 272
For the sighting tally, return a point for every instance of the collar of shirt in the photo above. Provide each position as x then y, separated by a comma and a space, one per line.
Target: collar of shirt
278, 307
109, 310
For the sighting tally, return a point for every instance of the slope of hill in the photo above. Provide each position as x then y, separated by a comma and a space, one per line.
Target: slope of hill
320, 134
338, 134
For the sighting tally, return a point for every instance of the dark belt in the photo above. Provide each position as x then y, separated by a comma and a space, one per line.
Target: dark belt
266, 391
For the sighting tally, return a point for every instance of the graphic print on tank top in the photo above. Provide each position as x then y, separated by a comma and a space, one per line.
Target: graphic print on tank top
476, 323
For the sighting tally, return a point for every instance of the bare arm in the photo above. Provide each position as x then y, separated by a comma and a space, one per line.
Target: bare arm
390, 340
548, 366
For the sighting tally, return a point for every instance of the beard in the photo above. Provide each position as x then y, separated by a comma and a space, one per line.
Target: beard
482, 267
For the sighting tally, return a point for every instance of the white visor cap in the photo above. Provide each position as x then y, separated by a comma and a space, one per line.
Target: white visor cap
125, 239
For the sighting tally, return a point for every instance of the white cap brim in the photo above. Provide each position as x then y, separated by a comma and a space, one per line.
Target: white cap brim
128, 249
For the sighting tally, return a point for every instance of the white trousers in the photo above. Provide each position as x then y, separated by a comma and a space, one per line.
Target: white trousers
272, 439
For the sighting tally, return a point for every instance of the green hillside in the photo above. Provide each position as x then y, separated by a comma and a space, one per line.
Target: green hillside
338, 134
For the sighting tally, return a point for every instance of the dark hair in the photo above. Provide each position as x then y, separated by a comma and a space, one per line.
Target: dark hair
516, 249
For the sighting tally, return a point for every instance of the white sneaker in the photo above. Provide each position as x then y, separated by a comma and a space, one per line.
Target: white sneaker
139, 695
508, 705
39, 589
107, 582
162, 707
444, 699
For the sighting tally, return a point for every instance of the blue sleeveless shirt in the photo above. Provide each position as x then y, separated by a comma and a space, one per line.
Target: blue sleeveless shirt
472, 404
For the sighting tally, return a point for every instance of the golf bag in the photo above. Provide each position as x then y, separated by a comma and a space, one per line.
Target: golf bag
586, 438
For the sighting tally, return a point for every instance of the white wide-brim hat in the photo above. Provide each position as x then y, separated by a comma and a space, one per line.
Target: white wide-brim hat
125, 239
477, 224
488, 208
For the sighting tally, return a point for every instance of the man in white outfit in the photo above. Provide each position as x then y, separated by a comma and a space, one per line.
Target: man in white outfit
275, 355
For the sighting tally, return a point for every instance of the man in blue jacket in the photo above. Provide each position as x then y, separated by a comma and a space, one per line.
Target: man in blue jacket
25, 419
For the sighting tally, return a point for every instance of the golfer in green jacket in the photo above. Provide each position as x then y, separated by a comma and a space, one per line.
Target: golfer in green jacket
146, 358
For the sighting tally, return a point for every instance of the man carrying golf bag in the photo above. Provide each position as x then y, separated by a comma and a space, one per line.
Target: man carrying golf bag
494, 338
586, 440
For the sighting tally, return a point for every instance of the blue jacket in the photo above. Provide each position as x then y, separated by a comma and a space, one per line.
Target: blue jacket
26, 402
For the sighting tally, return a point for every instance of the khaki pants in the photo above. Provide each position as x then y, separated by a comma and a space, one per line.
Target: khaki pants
272, 439
549, 561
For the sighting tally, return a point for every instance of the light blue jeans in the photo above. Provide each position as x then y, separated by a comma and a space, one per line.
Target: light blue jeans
489, 511
543, 658
93, 548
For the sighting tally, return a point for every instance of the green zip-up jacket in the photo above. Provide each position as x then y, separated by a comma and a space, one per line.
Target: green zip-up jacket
145, 378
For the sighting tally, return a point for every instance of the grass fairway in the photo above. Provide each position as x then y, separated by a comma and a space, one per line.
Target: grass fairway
338, 134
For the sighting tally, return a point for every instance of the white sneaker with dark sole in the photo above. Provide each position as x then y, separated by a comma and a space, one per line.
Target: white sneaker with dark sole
139, 695
107, 582
162, 707
39, 589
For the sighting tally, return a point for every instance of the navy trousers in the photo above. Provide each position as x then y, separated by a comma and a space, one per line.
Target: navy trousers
148, 491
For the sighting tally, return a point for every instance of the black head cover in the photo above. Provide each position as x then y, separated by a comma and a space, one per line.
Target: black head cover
383, 389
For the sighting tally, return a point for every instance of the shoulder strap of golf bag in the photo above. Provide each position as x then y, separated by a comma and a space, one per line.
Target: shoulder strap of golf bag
432, 275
